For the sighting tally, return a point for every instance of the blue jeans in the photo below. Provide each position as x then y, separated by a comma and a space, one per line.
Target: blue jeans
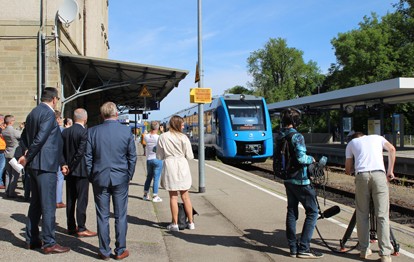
2, 165
305, 195
59, 187
154, 167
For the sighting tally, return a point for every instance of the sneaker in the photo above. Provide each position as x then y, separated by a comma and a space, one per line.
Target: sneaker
190, 226
173, 227
310, 254
146, 197
386, 258
156, 199
293, 254
366, 254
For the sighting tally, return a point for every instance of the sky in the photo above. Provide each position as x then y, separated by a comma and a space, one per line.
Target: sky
165, 33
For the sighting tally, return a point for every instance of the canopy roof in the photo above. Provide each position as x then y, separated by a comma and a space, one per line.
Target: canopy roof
393, 91
129, 85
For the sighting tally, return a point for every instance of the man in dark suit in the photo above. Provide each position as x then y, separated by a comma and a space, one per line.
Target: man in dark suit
110, 161
77, 184
43, 140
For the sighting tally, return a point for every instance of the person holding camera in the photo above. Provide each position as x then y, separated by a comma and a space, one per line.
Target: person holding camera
364, 157
298, 188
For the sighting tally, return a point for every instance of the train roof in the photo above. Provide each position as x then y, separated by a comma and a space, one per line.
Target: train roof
240, 96
226, 97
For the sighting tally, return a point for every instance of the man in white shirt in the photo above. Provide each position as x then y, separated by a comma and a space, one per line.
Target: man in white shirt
364, 157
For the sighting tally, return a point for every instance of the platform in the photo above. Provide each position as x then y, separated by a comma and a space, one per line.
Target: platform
242, 218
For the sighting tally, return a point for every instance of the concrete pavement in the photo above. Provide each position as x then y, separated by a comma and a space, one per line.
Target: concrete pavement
242, 218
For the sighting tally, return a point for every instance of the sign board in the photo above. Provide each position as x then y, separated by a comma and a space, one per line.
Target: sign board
144, 92
374, 127
153, 104
197, 74
135, 112
200, 95
347, 124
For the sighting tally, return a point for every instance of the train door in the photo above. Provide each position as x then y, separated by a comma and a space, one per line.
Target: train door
217, 130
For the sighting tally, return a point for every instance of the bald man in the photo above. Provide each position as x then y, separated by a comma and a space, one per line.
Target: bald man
77, 183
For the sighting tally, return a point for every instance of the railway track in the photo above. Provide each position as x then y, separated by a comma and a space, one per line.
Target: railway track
400, 179
398, 213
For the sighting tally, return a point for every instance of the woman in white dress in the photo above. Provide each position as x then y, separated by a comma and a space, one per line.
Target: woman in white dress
174, 148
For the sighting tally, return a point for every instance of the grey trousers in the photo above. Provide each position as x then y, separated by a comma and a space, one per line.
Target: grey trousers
11, 179
373, 184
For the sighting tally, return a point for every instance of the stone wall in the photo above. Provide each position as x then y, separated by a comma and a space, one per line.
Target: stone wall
19, 30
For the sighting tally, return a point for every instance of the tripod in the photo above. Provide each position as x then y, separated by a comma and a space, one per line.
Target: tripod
372, 231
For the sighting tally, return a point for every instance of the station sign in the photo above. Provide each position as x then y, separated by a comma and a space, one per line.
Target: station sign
200, 95
135, 112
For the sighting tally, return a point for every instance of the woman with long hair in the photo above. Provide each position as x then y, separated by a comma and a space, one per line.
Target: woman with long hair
174, 148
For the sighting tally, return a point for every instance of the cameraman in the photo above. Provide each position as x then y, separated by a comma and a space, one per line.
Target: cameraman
364, 157
299, 189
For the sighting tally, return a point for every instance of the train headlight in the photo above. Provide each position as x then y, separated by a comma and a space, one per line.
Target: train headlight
263, 134
236, 134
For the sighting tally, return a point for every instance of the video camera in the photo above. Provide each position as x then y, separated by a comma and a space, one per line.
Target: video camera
316, 171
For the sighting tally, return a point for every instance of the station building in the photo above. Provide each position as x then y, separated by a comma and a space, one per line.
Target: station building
64, 44
31, 35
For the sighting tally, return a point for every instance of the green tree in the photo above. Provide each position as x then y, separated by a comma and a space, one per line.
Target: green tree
279, 72
238, 90
364, 55
379, 49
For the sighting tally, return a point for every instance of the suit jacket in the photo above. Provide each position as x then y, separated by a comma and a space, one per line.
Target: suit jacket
110, 154
12, 137
74, 147
43, 139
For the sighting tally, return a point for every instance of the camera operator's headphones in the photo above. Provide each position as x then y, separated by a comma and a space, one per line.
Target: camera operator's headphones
292, 116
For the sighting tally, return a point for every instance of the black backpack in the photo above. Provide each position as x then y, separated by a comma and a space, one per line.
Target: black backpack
182, 217
285, 164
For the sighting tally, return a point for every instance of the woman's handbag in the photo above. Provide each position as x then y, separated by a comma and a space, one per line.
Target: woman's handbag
182, 217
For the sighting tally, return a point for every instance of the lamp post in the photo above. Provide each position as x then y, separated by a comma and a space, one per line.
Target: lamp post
201, 176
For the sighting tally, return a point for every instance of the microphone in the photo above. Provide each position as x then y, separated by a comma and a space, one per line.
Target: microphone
330, 212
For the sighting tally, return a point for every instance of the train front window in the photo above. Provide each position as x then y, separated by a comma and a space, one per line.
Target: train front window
246, 114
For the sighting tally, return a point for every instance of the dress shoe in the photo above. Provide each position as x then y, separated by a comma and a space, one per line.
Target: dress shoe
34, 245
86, 233
72, 232
55, 249
123, 255
60, 205
103, 257
11, 196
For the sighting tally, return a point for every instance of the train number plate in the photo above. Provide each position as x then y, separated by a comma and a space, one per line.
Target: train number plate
253, 148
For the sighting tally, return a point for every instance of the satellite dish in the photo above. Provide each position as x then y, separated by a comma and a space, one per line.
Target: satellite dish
68, 11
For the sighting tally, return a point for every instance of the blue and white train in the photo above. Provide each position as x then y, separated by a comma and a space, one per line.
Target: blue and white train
237, 128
